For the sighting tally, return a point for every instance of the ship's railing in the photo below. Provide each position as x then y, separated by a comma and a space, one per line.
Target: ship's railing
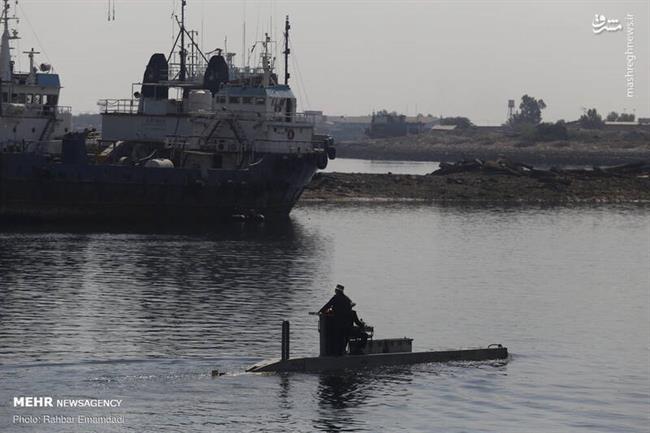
194, 72
256, 115
35, 109
123, 106
130, 106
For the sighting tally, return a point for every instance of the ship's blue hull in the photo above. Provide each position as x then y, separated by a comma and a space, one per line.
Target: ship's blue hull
31, 187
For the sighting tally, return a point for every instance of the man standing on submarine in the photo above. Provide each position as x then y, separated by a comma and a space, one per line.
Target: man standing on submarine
339, 323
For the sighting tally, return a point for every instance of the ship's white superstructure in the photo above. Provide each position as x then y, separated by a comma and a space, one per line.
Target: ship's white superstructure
210, 106
30, 114
198, 140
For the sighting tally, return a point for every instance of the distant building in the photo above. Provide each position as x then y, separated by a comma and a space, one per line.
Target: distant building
316, 116
444, 127
608, 123
384, 124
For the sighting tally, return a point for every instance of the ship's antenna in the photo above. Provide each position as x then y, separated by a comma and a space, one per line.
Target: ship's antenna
180, 42
286, 51
111, 10
243, 37
183, 72
5, 19
202, 26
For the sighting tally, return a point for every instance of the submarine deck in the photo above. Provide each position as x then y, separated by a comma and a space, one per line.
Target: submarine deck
328, 363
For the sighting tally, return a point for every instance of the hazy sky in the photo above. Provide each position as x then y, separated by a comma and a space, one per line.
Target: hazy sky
441, 57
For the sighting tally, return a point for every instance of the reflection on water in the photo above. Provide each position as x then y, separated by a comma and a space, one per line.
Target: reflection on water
342, 396
145, 315
86, 295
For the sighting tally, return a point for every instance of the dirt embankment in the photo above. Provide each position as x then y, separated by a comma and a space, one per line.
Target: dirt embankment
584, 147
489, 182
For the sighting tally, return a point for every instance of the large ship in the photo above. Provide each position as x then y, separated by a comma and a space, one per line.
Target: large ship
30, 115
199, 139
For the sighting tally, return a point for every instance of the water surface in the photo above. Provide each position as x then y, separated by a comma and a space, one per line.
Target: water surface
144, 316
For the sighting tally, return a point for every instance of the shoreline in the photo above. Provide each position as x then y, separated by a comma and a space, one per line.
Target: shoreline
488, 184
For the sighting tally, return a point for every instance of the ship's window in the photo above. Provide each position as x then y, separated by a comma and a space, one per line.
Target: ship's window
234, 99
37, 99
221, 99
22, 98
247, 100
30, 99
217, 161
260, 101
52, 99
5, 97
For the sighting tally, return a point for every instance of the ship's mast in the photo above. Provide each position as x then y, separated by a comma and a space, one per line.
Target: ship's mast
266, 63
286, 51
6, 66
5, 49
32, 72
183, 72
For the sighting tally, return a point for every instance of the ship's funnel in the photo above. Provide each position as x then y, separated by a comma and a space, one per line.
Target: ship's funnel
156, 72
215, 74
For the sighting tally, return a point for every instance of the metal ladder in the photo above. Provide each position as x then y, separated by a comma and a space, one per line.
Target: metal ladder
49, 128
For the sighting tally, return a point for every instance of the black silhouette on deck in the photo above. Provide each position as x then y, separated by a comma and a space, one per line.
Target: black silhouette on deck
341, 324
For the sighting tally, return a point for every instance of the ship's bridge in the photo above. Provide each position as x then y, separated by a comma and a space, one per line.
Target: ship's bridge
43, 89
270, 99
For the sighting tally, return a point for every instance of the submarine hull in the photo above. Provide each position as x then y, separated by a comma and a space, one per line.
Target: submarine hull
331, 363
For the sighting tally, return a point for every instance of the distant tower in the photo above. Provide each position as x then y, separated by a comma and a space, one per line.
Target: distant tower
511, 108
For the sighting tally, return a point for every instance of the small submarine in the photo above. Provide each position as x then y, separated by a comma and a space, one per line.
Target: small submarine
374, 353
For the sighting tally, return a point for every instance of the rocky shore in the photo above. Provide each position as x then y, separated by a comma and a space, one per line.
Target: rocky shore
498, 181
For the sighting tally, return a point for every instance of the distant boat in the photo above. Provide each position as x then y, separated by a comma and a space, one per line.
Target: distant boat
30, 115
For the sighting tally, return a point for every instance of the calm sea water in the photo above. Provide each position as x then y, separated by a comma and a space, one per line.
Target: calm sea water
144, 317
351, 165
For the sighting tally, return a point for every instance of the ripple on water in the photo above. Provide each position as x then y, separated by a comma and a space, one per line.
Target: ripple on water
147, 316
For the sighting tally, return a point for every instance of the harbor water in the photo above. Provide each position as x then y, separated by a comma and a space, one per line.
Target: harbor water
352, 165
144, 315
